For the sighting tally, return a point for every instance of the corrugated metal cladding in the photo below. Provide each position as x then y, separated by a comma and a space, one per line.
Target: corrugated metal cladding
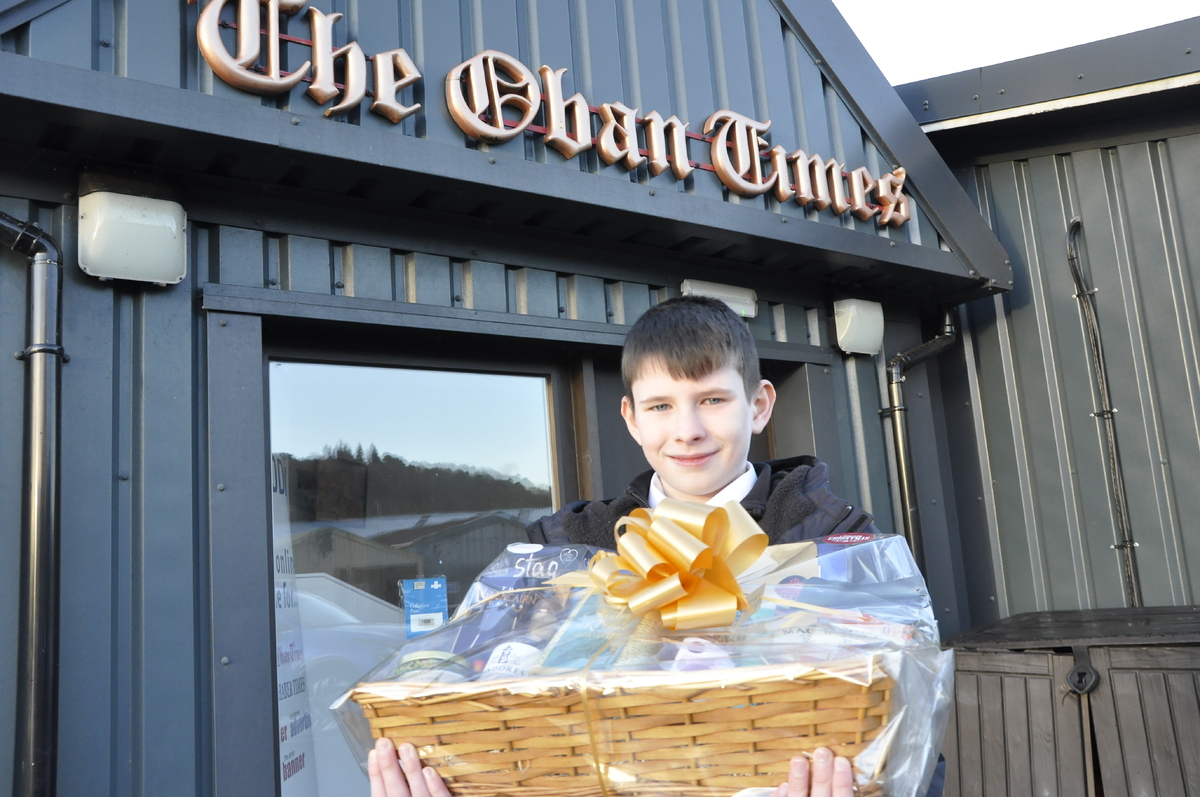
683, 57
132, 527
1052, 519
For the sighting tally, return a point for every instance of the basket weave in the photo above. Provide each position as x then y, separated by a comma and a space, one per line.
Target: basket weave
699, 741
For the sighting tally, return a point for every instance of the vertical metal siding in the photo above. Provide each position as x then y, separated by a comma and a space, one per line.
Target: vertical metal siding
1054, 520
129, 659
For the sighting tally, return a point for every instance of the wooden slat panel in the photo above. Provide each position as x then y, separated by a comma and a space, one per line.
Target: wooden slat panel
1135, 750
1071, 756
950, 752
1156, 658
1003, 663
991, 724
1043, 766
1108, 734
1161, 735
1016, 735
240, 257
1183, 691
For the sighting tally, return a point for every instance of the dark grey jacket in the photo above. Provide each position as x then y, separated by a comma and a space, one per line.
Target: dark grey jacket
790, 500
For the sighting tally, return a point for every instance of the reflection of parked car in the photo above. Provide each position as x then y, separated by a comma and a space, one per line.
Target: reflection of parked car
338, 650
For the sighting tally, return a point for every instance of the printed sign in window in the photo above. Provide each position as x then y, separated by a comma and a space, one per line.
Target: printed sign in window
425, 605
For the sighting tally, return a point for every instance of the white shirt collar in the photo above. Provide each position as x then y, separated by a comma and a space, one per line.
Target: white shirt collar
736, 490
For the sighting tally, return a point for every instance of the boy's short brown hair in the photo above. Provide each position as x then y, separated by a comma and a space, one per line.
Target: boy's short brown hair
691, 336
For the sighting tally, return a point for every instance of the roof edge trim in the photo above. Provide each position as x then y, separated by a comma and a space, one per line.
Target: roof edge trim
1135, 90
852, 72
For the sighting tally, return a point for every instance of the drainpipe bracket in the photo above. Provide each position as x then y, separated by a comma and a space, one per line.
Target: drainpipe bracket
43, 348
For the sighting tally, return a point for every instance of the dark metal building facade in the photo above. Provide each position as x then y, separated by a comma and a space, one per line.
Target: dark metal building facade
1105, 132
354, 240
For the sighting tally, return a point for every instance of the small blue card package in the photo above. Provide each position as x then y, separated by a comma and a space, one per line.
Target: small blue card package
424, 604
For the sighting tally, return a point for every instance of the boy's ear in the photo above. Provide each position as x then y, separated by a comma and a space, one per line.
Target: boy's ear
763, 404
630, 419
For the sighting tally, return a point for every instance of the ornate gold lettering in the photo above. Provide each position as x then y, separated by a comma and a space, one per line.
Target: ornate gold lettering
235, 69
818, 182
558, 111
394, 70
666, 141
889, 192
779, 166
861, 185
487, 84
323, 89
736, 150
617, 140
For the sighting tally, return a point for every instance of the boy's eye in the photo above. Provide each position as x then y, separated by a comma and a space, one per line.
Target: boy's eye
713, 400
660, 407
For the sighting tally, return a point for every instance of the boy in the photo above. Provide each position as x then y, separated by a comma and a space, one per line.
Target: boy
693, 398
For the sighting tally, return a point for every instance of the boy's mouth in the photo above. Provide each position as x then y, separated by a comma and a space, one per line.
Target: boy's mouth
692, 460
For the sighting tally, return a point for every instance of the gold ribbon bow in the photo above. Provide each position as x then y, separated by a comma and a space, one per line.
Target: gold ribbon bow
682, 559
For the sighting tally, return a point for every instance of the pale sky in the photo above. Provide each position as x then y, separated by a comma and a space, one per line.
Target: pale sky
917, 39
491, 421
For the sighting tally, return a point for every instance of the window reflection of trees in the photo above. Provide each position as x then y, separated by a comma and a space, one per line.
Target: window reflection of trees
371, 519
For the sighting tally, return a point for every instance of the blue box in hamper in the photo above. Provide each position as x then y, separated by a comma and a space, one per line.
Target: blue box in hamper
546, 683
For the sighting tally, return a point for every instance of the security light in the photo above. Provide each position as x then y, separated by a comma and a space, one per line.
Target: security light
743, 301
129, 237
859, 326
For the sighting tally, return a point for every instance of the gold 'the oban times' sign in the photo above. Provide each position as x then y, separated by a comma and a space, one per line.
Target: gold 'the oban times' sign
494, 98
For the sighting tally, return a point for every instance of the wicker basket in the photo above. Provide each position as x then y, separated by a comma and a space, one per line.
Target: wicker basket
705, 739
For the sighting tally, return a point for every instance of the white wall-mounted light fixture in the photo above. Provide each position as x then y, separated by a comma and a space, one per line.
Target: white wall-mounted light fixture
743, 301
859, 326
130, 237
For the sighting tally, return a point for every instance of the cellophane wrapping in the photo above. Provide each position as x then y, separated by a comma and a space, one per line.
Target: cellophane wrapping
847, 615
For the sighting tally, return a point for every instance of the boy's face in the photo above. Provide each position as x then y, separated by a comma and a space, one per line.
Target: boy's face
695, 432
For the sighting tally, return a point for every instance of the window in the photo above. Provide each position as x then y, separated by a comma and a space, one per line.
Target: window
380, 475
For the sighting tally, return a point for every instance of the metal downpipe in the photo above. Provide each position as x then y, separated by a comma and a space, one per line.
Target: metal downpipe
38, 658
1107, 415
909, 504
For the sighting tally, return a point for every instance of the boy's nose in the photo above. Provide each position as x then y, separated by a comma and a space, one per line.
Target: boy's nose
688, 427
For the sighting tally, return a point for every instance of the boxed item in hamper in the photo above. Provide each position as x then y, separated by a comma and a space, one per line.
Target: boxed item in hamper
666, 670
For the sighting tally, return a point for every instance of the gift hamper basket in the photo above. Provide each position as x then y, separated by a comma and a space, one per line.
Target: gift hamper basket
695, 662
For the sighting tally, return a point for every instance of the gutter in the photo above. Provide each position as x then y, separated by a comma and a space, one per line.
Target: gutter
38, 657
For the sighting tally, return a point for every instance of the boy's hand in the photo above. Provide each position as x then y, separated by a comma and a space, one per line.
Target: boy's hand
404, 777
827, 777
